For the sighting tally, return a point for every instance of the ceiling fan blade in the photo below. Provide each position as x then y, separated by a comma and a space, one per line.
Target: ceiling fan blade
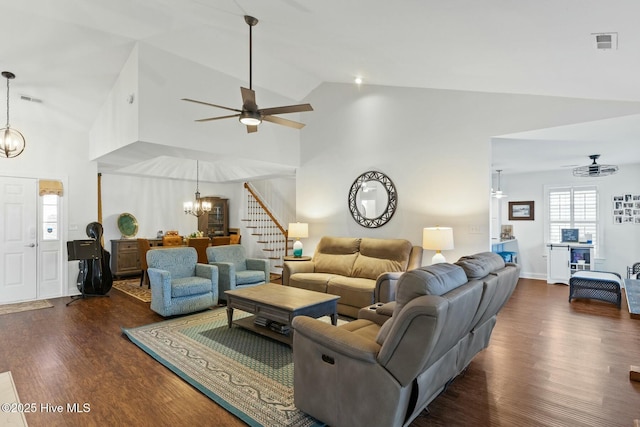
248, 99
211, 105
217, 118
284, 122
251, 129
300, 108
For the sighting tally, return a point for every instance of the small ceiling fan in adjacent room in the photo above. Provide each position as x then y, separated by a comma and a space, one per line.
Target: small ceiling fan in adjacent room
250, 115
595, 169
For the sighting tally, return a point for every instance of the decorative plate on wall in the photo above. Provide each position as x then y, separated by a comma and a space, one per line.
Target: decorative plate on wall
128, 225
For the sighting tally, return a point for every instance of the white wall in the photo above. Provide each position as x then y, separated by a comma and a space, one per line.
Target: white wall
619, 243
433, 144
157, 204
156, 122
61, 154
117, 122
166, 119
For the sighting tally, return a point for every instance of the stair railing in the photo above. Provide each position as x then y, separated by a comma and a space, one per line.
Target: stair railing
266, 228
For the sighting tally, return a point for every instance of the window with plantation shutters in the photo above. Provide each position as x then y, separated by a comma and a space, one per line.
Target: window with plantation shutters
572, 207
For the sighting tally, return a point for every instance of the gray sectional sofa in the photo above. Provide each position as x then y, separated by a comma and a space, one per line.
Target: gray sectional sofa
386, 367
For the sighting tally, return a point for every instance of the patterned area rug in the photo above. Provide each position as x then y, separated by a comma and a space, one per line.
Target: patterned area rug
132, 287
10, 416
24, 306
249, 375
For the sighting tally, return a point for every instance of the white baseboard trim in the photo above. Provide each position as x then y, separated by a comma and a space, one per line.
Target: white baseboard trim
535, 276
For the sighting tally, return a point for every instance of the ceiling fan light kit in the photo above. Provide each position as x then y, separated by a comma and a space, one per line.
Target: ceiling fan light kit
595, 169
250, 115
250, 118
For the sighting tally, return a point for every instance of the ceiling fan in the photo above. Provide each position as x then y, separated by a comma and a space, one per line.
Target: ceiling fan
595, 169
250, 115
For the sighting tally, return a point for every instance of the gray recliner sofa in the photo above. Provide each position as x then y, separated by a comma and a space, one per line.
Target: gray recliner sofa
360, 271
385, 367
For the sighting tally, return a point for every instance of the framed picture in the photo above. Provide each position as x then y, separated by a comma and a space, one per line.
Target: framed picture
521, 211
506, 232
626, 208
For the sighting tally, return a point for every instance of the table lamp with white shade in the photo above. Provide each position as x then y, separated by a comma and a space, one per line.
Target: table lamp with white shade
437, 239
298, 230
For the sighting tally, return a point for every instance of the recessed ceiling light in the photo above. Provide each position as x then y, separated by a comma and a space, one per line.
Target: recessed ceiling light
358, 80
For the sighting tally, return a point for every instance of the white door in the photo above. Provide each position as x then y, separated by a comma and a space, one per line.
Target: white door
50, 254
18, 239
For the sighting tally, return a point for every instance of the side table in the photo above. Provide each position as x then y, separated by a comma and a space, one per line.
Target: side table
292, 258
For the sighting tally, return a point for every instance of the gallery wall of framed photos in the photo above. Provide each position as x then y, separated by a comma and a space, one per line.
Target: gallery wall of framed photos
626, 208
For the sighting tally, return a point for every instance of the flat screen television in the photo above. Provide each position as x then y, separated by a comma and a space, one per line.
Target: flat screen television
570, 235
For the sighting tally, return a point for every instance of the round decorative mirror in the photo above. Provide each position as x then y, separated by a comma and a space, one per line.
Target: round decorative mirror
128, 225
372, 199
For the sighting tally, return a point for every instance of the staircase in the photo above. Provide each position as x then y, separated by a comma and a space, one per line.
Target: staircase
265, 228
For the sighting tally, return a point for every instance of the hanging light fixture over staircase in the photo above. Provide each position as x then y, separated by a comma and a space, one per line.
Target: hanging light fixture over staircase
198, 207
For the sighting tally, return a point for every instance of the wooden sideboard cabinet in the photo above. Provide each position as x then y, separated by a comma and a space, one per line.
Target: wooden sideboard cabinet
124, 257
125, 260
215, 223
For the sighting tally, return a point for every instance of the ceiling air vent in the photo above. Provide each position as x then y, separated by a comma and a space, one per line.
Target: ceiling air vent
30, 99
605, 41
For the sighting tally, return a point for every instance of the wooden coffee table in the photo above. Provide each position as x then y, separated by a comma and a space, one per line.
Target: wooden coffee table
280, 304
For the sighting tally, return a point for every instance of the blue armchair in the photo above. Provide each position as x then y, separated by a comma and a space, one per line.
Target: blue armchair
180, 285
235, 269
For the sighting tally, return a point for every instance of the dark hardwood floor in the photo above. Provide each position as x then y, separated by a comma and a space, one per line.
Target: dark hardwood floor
550, 363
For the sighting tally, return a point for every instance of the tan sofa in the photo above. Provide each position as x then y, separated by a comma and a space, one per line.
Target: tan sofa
359, 270
384, 368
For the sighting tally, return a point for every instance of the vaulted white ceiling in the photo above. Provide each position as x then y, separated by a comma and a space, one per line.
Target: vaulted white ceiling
68, 53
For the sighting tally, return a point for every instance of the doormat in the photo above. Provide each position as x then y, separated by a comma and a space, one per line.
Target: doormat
9, 397
24, 306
